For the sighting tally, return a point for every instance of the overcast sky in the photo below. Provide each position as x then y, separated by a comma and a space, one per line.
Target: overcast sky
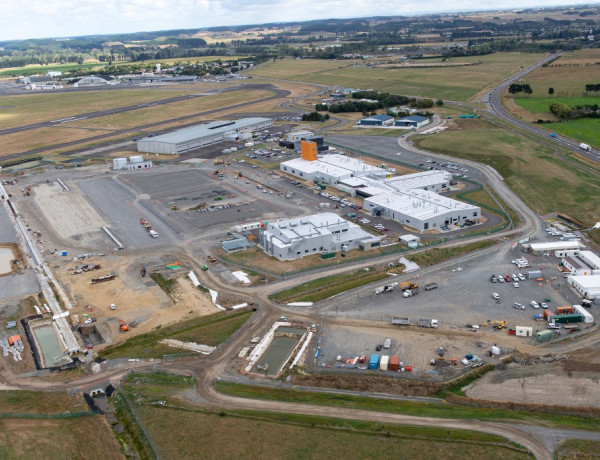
67, 18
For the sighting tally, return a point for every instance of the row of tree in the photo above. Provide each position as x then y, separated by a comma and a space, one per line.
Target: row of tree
566, 112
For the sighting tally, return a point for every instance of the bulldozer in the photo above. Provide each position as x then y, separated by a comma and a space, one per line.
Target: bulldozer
496, 325
405, 285
212, 259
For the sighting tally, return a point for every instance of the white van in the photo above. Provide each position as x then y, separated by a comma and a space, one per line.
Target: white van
387, 343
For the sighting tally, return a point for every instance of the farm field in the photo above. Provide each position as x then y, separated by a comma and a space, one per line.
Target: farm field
35, 108
44, 429
542, 104
585, 130
520, 162
450, 83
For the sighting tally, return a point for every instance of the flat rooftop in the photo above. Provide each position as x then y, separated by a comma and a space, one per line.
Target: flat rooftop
418, 180
420, 204
587, 282
555, 245
351, 164
309, 167
590, 258
205, 130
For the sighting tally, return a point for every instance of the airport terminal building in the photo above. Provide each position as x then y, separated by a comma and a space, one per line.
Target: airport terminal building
186, 139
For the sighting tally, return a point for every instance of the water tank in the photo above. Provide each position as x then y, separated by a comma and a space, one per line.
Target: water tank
137, 159
119, 163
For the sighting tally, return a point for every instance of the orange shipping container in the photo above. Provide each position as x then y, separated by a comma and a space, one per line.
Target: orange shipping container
562, 310
13, 339
394, 363
548, 315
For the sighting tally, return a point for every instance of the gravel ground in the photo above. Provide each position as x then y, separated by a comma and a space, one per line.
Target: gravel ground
465, 297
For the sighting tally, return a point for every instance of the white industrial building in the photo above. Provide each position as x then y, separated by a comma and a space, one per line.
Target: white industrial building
134, 162
421, 210
91, 81
587, 286
591, 260
299, 135
547, 247
330, 169
290, 239
410, 199
576, 267
198, 136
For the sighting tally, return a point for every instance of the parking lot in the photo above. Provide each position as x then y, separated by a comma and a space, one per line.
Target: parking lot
464, 294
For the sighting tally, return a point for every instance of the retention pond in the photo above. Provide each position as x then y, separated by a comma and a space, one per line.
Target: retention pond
279, 351
6, 255
49, 345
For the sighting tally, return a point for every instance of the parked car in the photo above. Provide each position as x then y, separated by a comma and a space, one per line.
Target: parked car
496, 296
516, 284
534, 304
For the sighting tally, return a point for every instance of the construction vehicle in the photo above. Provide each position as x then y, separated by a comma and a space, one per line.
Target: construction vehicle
496, 325
384, 289
430, 286
124, 325
410, 293
204, 267
143, 271
441, 353
219, 162
427, 322
212, 259
175, 208
404, 285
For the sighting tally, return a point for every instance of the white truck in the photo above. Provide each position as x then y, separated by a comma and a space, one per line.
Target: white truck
386, 288
585, 147
410, 292
428, 322
153, 234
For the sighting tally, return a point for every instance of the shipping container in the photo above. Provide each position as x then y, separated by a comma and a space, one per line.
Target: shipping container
564, 309
544, 336
374, 362
568, 318
394, 363
383, 364
548, 315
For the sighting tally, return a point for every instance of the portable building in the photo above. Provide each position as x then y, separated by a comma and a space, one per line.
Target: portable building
544, 336
524, 331
548, 315
374, 362
567, 309
534, 274
587, 316
394, 363
568, 318
383, 364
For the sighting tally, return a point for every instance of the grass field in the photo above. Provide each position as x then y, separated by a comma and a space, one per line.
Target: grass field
542, 104
457, 83
445, 410
174, 428
568, 75
88, 436
208, 330
576, 449
42, 70
528, 168
34, 108
586, 130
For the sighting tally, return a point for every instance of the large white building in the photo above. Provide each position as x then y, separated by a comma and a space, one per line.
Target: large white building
198, 136
422, 210
290, 239
410, 199
591, 260
587, 286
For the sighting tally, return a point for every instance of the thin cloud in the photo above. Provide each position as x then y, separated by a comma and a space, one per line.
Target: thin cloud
68, 18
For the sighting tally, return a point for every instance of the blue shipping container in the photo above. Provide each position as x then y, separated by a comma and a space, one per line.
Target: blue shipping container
374, 362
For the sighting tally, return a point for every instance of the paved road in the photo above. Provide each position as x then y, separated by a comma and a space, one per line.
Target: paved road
495, 108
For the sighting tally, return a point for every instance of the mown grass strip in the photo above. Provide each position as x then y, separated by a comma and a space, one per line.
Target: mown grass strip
447, 410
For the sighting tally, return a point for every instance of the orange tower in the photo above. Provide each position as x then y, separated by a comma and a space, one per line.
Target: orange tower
308, 149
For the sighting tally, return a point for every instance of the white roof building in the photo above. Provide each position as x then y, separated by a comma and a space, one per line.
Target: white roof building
290, 239
422, 210
587, 286
550, 246
590, 259
437, 181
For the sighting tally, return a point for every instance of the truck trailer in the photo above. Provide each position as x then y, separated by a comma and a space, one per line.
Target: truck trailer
400, 321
